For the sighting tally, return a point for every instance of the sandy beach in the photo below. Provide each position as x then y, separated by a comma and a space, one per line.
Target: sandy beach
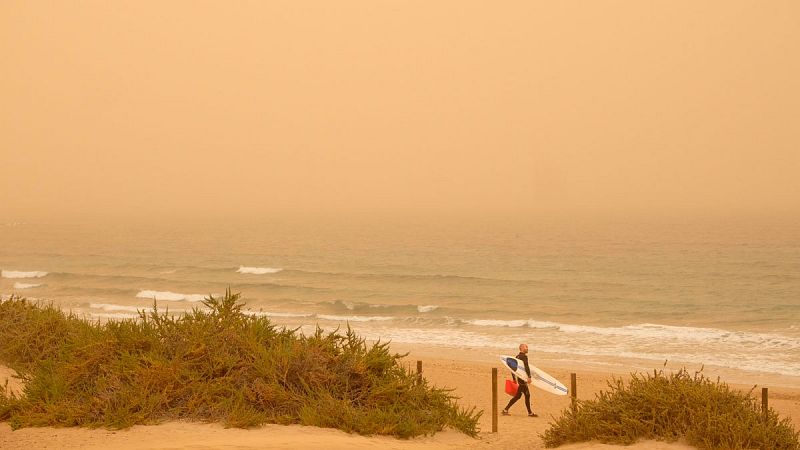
465, 371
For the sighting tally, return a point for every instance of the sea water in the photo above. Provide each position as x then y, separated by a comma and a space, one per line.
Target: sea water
717, 292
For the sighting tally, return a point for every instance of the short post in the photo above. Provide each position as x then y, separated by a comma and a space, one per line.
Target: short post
419, 371
764, 402
573, 389
494, 399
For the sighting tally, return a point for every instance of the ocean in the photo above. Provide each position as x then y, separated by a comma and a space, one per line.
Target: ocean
723, 293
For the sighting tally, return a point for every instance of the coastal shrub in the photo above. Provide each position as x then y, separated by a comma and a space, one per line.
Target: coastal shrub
215, 365
707, 414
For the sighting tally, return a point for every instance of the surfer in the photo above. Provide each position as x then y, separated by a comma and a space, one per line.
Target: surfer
523, 384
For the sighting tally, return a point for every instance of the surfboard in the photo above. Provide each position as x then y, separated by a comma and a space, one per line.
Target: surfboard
539, 377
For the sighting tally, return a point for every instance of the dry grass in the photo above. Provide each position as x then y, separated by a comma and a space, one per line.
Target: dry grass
215, 366
707, 414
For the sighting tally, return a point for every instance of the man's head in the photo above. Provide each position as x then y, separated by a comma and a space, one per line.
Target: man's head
523, 348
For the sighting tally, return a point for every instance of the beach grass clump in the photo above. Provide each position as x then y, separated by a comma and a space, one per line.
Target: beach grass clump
705, 413
217, 365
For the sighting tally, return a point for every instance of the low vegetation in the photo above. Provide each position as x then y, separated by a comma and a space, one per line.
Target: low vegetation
706, 414
219, 365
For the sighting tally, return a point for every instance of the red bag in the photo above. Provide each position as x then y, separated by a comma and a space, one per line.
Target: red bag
511, 388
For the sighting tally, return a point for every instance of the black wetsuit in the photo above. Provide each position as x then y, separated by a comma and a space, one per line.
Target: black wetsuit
523, 385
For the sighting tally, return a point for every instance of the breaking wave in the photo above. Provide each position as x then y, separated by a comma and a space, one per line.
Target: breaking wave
258, 270
19, 274
510, 323
275, 314
113, 315
171, 296
113, 307
649, 332
25, 285
401, 309
354, 318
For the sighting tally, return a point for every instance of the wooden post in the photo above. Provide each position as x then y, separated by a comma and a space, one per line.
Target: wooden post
494, 399
419, 371
764, 402
573, 389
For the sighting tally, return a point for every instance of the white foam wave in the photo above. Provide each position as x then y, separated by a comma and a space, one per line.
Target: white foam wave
427, 308
20, 274
497, 323
114, 307
275, 314
113, 315
258, 270
683, 334
746, 357
25, 285
354, 318
352, 306
433, 336
734, 360
651, 332
511, 323
134, 309
171, 296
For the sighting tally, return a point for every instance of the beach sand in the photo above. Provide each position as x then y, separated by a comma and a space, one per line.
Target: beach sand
468, 372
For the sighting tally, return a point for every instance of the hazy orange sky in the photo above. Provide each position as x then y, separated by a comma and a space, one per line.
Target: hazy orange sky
270, 107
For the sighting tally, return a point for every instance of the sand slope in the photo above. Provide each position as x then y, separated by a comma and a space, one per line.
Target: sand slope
7, 375
471, 379
178, 435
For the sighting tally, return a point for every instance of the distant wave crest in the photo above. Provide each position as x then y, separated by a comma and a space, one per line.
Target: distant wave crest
354, 318
347, 306
25, 285
171, 296
133, 309
19, 274
511, 323
649, 331
113, 315
275, 314
114, 307
258, 270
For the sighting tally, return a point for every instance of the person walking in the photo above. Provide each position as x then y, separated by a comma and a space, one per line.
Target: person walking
523, 384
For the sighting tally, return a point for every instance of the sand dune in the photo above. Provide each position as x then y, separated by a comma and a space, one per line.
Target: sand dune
7, 375
178, 435
471, 380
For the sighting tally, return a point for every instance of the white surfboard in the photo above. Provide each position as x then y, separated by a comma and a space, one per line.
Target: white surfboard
539, 377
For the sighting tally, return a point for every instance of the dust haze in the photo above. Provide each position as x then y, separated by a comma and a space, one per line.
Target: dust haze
185, 108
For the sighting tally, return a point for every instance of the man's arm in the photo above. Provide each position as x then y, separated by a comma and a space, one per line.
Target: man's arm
527, 368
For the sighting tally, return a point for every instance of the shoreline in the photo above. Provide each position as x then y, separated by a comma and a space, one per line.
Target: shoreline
620, 365
455, 370
765, 359
466, 371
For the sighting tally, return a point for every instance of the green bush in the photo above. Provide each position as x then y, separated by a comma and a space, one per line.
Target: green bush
216, 365
707, 414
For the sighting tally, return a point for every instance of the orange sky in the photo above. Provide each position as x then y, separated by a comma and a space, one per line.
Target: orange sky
270, 107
